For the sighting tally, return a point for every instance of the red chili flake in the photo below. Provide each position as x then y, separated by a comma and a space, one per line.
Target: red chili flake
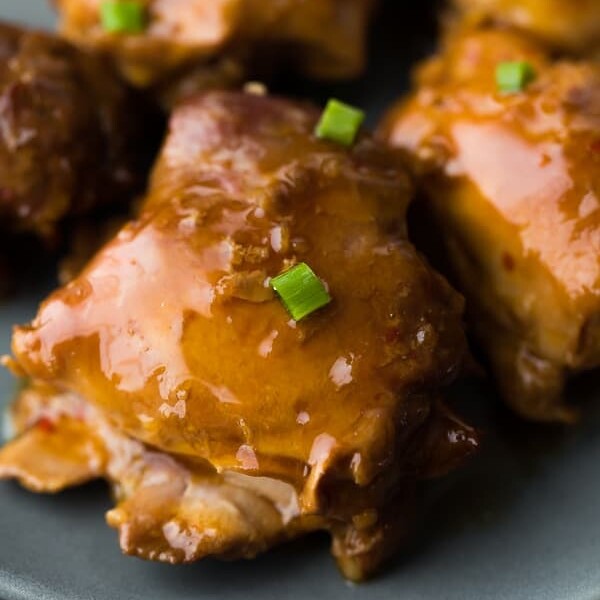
46, 424
392, 335
6, 194
508, 261
595, 145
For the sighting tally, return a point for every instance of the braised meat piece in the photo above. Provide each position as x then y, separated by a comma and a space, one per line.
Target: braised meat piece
70, 133
511, 186
571, 25
170, 367
188, 45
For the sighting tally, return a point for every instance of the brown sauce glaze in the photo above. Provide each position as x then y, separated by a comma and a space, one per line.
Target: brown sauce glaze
513, 174
566, 25
53, 96
194, 44
173, 334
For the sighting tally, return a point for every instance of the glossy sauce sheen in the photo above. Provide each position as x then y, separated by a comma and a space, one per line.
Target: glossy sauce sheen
53, 96
173, 332
225, 41
514, 182
173, 327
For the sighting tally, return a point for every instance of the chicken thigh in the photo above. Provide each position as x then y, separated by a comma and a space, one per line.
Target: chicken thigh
511, 197
170, 367
185, 45
571, 25
70, 133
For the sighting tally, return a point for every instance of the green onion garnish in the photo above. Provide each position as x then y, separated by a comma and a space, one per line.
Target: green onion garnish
339, 123
301, 291
122, 16
514, 76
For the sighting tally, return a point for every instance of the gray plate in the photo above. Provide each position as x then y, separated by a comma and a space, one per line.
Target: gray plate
519, 523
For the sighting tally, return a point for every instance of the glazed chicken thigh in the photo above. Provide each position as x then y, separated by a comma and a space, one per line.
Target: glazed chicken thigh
170, 367
193, 44
70, 137
511, 186
572, 25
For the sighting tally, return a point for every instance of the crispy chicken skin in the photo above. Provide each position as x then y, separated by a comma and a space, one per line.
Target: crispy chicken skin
511, 186
193, 44
571, 25
70, 138
169, 367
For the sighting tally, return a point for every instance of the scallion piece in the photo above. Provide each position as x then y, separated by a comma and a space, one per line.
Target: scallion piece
512, 77
339, 123
122, 16
301, 291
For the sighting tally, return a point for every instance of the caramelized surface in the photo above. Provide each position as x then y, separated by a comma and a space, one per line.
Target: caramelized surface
166, 509
173, 333
70, 137
572, 25
513, 184
211, 43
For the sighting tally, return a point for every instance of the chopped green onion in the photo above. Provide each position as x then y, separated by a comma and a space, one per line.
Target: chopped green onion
514, 76
339, 123
122, 16
301, 291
